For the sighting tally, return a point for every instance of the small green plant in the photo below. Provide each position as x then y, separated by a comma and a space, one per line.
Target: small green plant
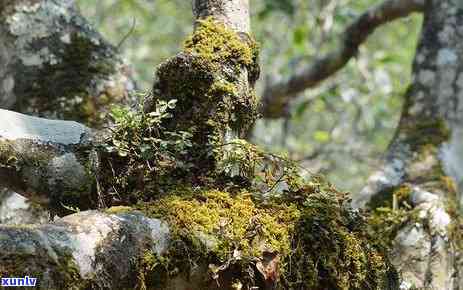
140, 151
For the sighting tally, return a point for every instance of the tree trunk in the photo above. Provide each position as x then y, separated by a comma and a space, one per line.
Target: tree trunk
54, 65
423, 166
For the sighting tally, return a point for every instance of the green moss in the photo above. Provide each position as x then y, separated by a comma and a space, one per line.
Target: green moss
319, 243
385, 223
332, 249
148, 275
219, 44
229, 219
119, 209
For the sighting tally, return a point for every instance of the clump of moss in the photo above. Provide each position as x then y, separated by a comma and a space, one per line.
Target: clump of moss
215, 42
332, 248
227, 220
317, 239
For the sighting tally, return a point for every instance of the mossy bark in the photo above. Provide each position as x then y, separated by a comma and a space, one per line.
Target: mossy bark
49, 161
53, 64
425, 158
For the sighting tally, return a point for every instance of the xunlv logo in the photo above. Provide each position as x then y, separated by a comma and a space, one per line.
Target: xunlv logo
16, 282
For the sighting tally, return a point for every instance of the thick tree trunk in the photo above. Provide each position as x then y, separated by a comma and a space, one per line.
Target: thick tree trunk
54, 65
425, 161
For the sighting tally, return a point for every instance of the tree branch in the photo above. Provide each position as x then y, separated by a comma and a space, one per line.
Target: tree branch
276, 96
420, 181
46, 160
234, 14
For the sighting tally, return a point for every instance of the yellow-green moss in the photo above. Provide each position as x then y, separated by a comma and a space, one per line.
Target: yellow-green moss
227, 220
401, 196
334, 250
319, 242
218, 44
119, 209
385, 223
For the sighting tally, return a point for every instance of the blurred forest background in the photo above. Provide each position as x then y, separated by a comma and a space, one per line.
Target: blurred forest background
342, 127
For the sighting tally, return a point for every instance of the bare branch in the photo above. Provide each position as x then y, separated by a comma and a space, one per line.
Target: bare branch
277, 95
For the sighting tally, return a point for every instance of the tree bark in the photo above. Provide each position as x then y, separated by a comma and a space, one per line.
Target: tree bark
425, 156
46, 160
53, 64
81, 251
